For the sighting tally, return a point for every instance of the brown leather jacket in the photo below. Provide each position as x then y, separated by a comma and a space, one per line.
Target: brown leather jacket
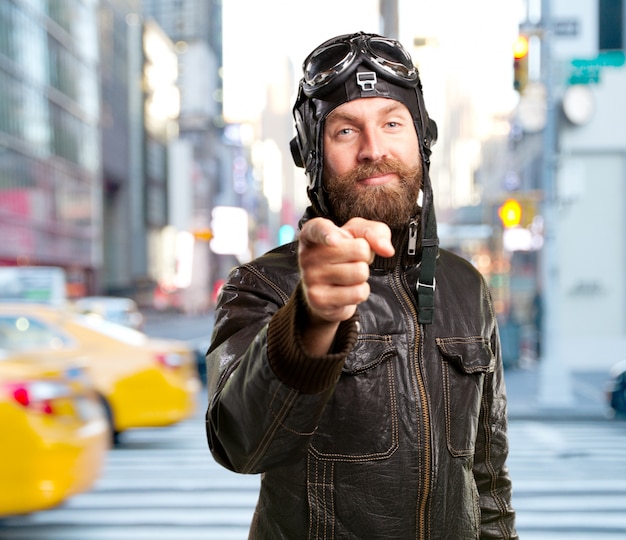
399, 433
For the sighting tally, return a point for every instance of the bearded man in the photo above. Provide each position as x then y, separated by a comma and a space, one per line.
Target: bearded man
358, 369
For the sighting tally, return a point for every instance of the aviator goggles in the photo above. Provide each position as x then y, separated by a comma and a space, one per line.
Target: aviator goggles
334, 58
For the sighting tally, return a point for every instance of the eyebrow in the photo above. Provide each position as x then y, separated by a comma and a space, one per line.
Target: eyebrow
341, 115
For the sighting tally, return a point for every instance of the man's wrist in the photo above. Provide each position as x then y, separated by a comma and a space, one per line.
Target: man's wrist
292, 362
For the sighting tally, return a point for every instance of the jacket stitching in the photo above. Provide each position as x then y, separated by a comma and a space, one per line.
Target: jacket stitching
265, 442
321, 498
283, 295
502, 508
373, 456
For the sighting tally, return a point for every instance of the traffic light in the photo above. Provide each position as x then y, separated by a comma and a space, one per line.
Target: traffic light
510, 213
520, 63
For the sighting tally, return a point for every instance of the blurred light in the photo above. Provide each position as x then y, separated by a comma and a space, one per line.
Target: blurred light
482, 262
516, 239
22, 324
38, 395
286, 234
203, 235
184, 259
230, 230
521, 239
520, 47
510, 213
169, 360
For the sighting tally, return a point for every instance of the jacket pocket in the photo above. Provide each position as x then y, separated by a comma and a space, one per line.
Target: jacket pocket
360, 422
466, 360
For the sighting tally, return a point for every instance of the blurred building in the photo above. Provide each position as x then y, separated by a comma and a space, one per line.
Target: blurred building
50, 166
210, 165
564, 163
589, 189
140, 106
115, 153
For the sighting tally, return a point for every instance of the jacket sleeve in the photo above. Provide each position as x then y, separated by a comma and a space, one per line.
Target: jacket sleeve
265, 393
490, 471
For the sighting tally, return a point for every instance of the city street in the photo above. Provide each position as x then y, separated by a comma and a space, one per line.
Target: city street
153, 151
162, 484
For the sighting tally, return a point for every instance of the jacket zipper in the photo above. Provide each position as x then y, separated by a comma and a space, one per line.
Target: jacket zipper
422, 527
412, 244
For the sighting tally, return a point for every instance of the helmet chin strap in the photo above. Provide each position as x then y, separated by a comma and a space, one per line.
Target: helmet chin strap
318, 197
426, 282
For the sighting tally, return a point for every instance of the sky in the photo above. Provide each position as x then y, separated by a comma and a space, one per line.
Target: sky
469, 41
290, 30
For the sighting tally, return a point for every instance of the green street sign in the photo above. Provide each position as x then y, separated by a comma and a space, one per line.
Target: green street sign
587, 70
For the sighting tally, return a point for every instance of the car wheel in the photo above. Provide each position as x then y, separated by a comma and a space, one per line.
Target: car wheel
618, 396
114, 434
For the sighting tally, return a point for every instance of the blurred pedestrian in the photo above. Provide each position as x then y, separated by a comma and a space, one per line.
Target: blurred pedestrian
537, 322
359, 368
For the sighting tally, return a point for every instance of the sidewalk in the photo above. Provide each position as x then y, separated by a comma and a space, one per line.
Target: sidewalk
587, 393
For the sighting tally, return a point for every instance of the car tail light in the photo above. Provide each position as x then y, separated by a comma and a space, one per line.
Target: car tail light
170, 360
38, 395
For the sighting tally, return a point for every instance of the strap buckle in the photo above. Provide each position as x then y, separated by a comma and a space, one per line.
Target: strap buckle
420, 284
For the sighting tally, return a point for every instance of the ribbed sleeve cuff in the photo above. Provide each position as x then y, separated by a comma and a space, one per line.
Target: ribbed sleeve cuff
287, 357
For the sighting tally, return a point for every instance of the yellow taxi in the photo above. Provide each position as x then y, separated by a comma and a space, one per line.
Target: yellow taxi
54, 436
142, 381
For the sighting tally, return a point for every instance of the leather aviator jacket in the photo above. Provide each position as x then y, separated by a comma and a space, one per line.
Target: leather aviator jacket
400, 432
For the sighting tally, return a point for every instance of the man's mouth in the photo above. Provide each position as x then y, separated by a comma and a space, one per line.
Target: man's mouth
378, 179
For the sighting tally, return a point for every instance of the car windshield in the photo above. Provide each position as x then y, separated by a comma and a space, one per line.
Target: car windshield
120, 310
21, 332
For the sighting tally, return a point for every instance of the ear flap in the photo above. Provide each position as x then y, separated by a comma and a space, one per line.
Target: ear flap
296, 152
432, 131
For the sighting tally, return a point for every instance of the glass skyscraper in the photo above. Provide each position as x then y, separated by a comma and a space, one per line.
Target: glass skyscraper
49, 135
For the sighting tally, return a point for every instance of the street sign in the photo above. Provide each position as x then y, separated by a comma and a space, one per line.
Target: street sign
567, 27
584, 74
587, 70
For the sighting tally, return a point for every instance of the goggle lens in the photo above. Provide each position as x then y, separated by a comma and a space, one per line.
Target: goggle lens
393, 57
325, 62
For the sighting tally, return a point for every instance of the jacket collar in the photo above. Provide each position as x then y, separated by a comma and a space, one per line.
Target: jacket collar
406, 242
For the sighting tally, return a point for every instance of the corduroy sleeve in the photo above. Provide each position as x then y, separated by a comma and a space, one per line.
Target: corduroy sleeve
287, 357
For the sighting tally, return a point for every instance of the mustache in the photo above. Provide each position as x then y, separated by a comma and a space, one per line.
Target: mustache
377, 168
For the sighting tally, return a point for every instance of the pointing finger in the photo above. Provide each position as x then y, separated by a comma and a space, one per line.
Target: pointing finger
376, 233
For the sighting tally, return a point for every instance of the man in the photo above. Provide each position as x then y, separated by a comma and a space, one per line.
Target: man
359, 369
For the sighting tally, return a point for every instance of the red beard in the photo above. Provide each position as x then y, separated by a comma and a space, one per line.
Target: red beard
392, 204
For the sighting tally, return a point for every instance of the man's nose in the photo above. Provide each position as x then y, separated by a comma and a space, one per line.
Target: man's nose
372, 145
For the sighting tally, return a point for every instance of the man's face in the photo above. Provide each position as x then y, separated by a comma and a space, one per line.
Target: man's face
372, 162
